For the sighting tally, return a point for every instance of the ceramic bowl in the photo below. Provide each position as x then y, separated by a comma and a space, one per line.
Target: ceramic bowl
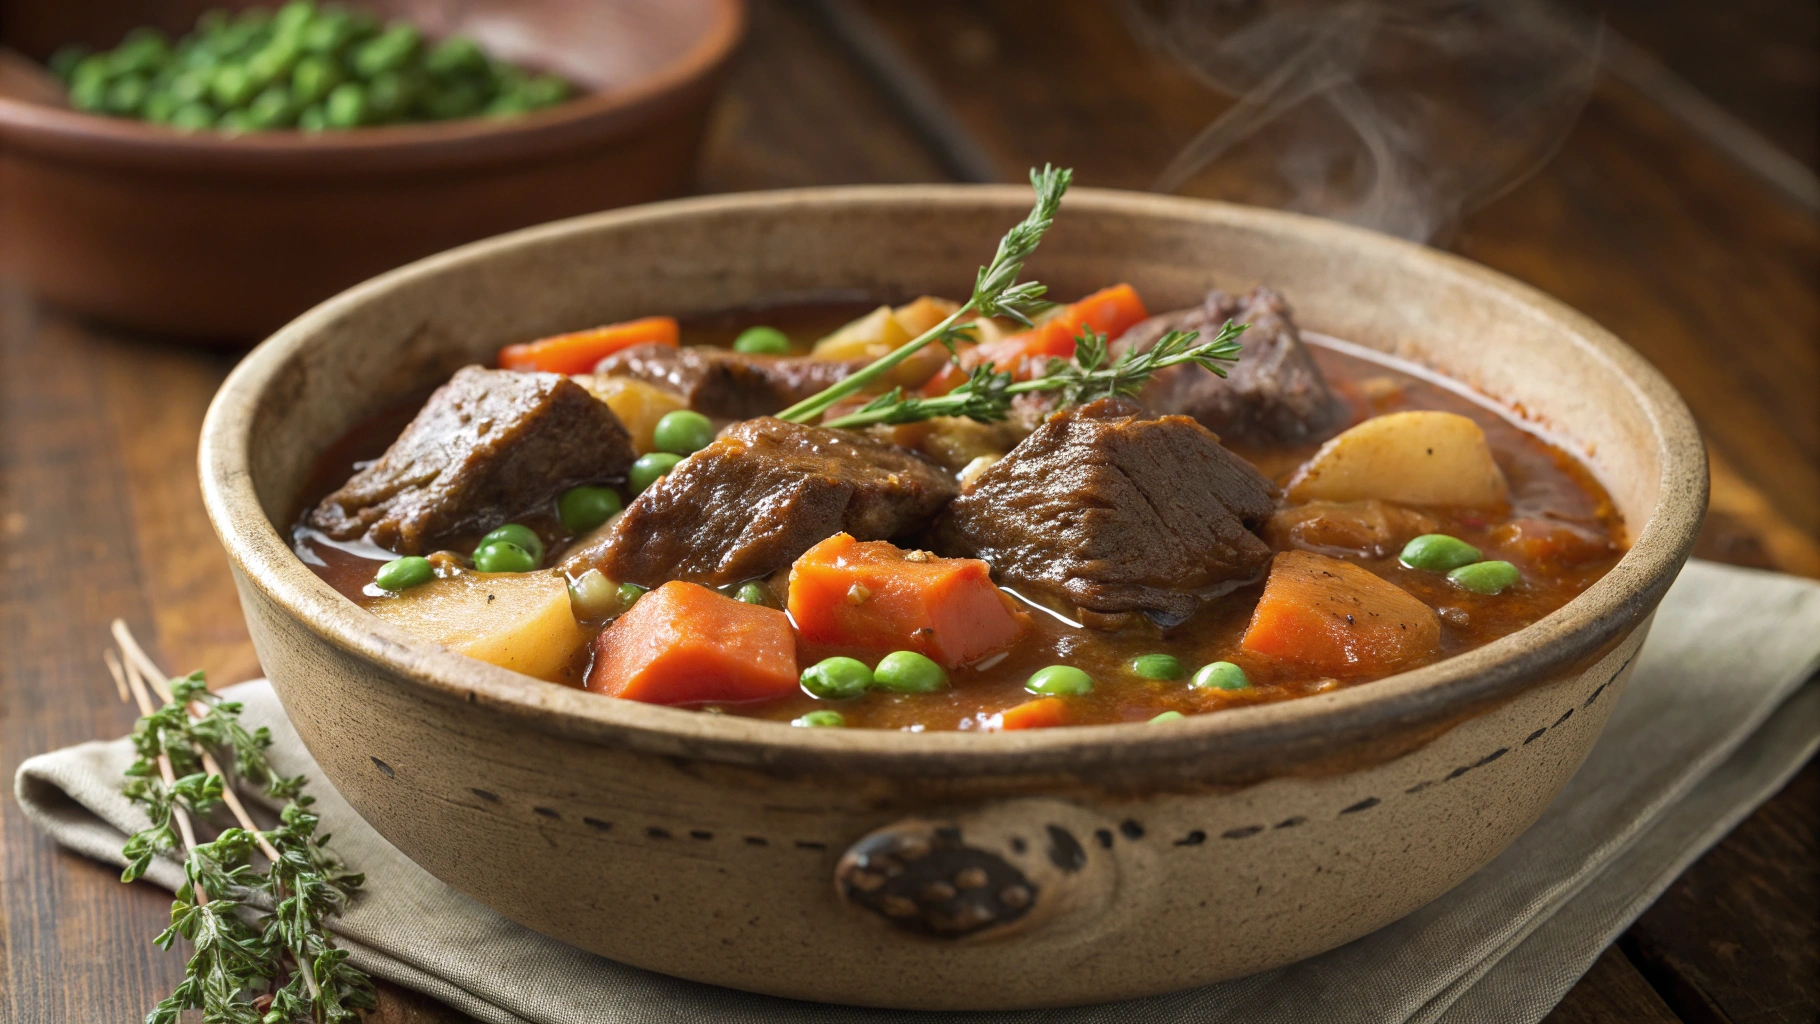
1122, 860
221, 237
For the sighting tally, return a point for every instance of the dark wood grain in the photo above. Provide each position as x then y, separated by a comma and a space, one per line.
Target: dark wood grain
1671, 244
1613, 990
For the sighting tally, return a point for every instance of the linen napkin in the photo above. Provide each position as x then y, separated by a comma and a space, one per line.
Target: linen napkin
1718, 715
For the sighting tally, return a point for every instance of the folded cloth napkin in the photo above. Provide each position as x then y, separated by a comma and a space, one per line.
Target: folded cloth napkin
1717, 717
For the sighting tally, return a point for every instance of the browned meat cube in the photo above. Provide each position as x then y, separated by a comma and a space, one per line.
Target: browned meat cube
1273, 393
726, 384
762, 494
1109, 511
489, 446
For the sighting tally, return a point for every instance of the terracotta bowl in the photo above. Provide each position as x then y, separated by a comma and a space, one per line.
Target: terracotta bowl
218, 237
1140, 859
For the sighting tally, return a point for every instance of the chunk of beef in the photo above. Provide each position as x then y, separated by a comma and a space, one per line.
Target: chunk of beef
488, 446
763, 493
1273, 393
723, 383
1110, 511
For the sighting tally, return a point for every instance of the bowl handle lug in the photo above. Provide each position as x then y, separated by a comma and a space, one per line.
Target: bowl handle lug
1009, 868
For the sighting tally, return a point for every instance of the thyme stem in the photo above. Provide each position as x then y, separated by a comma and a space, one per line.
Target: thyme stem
996, 292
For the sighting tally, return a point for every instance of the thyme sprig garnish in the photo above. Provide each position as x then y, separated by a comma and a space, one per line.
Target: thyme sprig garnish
996, 293
280, 967
1093, 373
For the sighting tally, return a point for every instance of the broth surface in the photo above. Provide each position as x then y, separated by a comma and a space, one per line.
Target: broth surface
1570, 535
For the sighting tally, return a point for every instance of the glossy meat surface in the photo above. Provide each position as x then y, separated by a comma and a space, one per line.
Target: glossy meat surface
1275, 392
763, 493
1111, 511
722, 383
488, 446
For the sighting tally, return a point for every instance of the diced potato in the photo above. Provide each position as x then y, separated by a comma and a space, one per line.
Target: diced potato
869, 337
884, 329
923, 314
520, 621
1414, 458
637, 404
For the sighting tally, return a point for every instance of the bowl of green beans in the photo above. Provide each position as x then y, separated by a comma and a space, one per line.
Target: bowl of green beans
211, 173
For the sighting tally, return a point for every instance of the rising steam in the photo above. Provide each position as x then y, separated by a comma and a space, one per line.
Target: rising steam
1400, 115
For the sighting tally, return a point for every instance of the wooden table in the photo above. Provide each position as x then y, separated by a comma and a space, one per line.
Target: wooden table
1651, 219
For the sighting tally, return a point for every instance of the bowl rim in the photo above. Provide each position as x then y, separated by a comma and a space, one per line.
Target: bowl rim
1283, 733
386, 150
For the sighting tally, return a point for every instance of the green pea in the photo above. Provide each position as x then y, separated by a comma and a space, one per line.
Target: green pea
821, 720
193, 117
455, 55
1485, 577
455, 99
389, 51
1059, 680
516, 533
312, 119
312, 79
234, 122
189, 86
404, 573
835, 678
762, 341
389, 96
89, 94
1158, 666
231, 87
293, 16
1220, 675
503, 556
1168, 716
908, 672
629, 593
649, 469
126, 95
583, 508
272, 108
683, 432
271, 64
63, 62
346, 106
328, 32
544, 91
160, 106
754, 593
1437, 552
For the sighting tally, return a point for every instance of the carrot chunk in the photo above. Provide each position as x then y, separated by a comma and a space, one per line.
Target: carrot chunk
578, 351
686, 644
1041, 713
1339, 619
877, 595
1110, 311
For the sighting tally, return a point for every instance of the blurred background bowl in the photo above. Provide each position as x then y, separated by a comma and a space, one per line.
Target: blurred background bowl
224, 238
